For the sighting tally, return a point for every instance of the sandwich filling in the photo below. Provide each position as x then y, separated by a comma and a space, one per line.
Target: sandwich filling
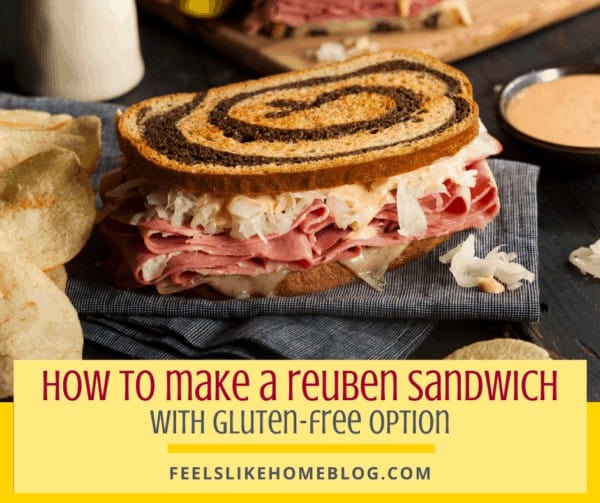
271, 16
246, 245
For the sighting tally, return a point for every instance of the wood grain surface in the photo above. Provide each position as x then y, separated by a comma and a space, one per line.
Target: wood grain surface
494, 22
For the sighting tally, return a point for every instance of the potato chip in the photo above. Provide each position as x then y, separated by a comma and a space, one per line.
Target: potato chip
500, 349
18, 145
31, 119
47, 207
88, 127
37, 320
58, 275
24, 133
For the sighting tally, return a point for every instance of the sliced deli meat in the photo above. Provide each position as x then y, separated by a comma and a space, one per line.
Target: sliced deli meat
175, 255
284, 18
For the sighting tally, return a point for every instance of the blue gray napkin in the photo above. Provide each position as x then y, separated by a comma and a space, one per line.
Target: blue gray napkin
353, 321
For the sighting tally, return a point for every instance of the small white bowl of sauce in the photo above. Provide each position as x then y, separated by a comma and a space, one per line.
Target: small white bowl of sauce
555, 110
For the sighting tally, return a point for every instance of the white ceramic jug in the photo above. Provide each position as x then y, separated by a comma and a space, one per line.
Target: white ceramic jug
81, 49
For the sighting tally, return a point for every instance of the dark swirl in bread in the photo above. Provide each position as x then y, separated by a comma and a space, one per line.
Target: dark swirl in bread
355, 121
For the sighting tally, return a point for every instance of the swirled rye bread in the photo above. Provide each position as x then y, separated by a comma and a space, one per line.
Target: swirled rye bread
300, 181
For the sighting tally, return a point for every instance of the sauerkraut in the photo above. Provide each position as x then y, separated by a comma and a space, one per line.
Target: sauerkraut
352, 206
468, 269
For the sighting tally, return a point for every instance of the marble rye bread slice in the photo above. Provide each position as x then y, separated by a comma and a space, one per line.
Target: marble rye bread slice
371, 117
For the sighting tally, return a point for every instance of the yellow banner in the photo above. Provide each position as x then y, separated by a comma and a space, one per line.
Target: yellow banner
300, 427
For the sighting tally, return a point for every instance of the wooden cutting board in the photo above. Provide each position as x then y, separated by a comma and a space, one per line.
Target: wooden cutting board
494, 22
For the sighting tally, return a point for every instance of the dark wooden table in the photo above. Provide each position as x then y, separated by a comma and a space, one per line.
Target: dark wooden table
569, 195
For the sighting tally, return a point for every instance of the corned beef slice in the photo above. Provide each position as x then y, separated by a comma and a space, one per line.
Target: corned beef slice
299, 12
314, 238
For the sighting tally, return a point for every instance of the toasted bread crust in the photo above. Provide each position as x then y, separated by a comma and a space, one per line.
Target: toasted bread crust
328, 275
227, 162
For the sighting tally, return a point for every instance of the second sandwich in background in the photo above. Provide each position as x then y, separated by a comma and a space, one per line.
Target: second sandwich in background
298, 182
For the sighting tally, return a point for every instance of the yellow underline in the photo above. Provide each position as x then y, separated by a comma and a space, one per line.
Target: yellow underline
301, 448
